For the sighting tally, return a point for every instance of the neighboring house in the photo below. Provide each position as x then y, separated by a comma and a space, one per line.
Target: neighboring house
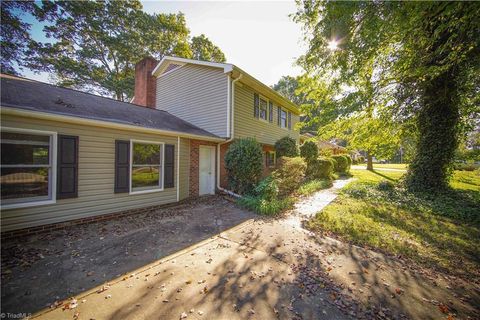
72, 156
323, 144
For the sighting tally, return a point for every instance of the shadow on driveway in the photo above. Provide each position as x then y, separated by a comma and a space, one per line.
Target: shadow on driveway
38, 270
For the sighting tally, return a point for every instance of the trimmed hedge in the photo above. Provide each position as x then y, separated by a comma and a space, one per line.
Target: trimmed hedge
290, 174
244, 165
341, 163
286, 147
321, 168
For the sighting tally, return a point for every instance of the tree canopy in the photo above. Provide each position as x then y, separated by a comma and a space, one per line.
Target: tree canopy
15, 36
95, 44
423, 56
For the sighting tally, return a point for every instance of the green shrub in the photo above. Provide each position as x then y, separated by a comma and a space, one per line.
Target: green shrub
469, 166
314, 185
244, 165
266, 189
340, 164
321, 168
309, 151
349, 160
290, 174
286, 147
264, 206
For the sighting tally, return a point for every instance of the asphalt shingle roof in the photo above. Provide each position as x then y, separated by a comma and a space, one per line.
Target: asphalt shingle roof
26, 94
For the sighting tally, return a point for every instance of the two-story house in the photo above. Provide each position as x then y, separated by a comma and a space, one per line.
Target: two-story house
73, 157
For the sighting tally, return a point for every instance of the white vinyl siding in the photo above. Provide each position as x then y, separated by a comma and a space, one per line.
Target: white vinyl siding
246, 125
196, 94
96, 176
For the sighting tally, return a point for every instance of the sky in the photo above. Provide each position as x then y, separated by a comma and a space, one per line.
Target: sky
257, 36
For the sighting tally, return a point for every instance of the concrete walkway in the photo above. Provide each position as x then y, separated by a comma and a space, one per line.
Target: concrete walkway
309, 206
274, 268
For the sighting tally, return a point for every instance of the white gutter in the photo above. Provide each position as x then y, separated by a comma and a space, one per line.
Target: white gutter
178, 169
231, 105
100, 123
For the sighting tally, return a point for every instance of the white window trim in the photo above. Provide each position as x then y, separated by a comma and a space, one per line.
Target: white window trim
132, 141
52, 183
260, 97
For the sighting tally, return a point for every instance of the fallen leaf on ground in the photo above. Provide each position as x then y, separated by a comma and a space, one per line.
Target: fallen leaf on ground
443, 308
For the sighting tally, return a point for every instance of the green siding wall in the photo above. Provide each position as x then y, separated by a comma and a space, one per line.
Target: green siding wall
96, 176
246, 125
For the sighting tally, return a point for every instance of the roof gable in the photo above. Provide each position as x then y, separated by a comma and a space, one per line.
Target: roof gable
164, 67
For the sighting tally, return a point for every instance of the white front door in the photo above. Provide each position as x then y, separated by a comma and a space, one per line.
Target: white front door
207, 170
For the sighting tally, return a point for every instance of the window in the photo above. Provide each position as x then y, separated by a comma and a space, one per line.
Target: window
28, 175
270, 159
147, 167
263, 109
283, 118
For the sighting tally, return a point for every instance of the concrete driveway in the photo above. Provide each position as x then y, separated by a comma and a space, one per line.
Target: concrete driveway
211, 260
39, 270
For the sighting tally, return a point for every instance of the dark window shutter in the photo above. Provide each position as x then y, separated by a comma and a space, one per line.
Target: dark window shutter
168, 180
279, 116
67, 167
270, 112
122, 166
289, 120
256, 105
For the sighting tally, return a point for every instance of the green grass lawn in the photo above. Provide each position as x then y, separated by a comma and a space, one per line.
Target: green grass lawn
387, 165
437, 231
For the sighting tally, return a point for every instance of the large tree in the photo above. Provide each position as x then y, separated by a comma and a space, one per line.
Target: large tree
95, 44
204, 49
427, 54
15, 36
292, 89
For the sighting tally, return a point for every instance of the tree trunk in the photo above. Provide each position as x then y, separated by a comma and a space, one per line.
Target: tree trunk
369, 161
437, 124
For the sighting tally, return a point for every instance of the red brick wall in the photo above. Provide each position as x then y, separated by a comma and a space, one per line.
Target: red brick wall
223, 171
194, 164
145, 83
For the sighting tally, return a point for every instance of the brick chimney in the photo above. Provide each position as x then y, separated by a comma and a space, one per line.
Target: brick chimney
145, 83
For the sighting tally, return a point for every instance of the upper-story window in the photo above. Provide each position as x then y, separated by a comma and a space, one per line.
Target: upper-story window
263, 109
283, 118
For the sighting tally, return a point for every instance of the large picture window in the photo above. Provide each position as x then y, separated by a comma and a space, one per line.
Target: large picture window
27, 167
147, 167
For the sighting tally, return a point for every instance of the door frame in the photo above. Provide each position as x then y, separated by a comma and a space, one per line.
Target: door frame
212, 161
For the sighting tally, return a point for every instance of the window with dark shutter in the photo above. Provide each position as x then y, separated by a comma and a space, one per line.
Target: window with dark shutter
289, 120
169, 166
122, 166
270, 112
279, 116
67, 167
256, 107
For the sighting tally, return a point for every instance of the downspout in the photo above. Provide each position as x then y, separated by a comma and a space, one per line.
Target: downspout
230, 105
